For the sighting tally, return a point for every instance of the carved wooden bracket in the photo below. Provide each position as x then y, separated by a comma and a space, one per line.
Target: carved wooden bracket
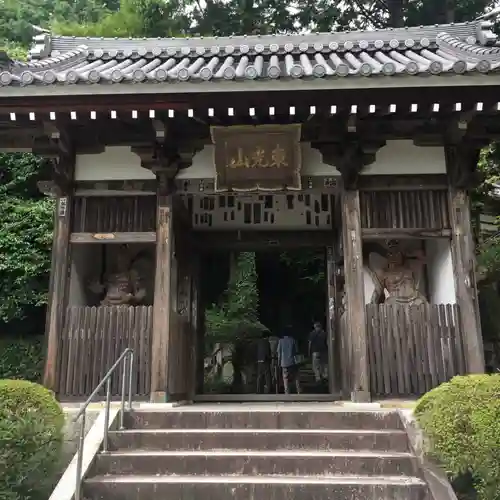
461, 163
59, 150
165, 160
349, 157
153, 158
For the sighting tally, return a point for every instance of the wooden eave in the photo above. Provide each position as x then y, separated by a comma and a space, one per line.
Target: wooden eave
420, 82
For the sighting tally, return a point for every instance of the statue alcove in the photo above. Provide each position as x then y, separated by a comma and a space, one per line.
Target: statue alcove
103, 274
395, 271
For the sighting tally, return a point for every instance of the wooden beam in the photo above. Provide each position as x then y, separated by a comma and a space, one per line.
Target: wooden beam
401, 234
195, 349
427, 129
354, 288
59, 275
332, 331
461, 162
146, 187
261, 240
162, 307
120, 238
403, 182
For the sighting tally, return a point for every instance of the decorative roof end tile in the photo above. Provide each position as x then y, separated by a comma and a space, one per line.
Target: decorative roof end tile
41, 45
485, 35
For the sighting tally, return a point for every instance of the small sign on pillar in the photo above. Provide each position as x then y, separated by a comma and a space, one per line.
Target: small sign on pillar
63, 206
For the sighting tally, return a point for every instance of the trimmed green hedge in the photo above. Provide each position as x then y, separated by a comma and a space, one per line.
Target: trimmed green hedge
21, 358
461, 420
31, 437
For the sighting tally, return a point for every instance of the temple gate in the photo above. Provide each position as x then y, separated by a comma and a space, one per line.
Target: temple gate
242, 143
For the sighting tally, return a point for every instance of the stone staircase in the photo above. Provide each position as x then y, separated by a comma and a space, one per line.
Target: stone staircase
221, 453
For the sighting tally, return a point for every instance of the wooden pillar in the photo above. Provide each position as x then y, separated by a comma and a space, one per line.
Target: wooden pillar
331, 306
58, 288
349, 156
194, 323
200, 330
164, 156
461, 163
354, 288
464, 263
61, 188
162, 294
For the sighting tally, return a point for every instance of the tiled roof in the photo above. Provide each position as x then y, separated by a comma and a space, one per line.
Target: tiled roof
60, 60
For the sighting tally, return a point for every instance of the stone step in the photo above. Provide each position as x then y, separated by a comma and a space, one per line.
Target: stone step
248, 463
262, 419
246, 488
259, 439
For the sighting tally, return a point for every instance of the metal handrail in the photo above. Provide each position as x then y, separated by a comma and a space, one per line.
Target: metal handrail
127, 355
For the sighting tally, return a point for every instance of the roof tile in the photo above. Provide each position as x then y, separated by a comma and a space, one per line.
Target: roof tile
411, 51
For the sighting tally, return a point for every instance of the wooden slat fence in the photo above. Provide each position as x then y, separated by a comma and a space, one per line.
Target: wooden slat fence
94, 338
413, 349
106, 214
418, 209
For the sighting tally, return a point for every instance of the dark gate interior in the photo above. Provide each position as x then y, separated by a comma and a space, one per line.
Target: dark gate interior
230, 368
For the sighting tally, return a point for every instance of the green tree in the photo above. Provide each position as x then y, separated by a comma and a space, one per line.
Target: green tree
236, 315
150, 18
398, 13
25, 237
237, 17
17, 18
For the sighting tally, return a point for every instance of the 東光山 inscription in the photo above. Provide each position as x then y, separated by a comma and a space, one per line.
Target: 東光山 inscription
252, 158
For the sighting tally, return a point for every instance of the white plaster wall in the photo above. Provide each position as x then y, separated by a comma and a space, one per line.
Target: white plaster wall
397, 157
84, 260
440, 272
312, 163
403, 157
115, 163
203, 164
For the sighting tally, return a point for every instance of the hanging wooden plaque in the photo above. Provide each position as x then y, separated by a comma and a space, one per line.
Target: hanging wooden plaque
261, 157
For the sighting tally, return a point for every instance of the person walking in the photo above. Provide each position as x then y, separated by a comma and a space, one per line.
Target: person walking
287, 352
318, 350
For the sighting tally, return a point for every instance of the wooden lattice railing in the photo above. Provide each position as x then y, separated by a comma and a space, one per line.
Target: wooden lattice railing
404, 209
103, 214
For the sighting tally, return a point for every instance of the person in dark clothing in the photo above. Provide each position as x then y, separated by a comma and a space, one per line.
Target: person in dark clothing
275, 375
264, 364
287, 353
318, 350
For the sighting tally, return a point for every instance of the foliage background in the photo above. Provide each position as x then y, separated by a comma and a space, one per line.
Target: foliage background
21, 358
26, 218
31, 436
461, 420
